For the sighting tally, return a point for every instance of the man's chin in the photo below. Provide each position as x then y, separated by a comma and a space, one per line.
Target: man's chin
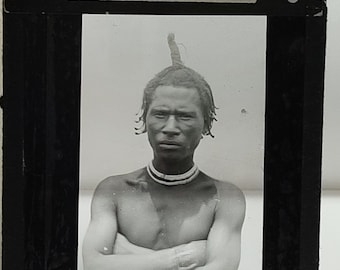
171, 155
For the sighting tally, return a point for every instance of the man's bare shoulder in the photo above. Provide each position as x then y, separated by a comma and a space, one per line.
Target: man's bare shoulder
229, 195
120, 182
229, 190
231, 206
224, 188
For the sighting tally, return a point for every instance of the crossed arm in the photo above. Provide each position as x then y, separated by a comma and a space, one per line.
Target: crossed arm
105, 249
224, 239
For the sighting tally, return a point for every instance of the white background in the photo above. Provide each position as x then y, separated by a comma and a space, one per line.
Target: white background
122, 53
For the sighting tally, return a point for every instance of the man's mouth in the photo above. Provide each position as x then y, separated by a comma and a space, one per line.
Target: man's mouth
169, 145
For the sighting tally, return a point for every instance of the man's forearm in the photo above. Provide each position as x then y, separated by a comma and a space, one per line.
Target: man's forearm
158, 260
217, 266
129, 256
124, 246
187, 256
183, 257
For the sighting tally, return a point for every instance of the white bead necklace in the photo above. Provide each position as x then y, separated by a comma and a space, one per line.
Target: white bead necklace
173, 179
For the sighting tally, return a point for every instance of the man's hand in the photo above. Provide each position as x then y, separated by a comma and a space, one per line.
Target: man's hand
191, 255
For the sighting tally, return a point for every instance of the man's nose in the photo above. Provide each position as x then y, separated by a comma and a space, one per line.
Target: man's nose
171, 127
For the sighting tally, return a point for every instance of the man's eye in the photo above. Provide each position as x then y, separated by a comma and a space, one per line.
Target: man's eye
160, 115
185, 116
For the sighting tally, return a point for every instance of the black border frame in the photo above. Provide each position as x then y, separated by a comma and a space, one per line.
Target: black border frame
261, 7
41, 102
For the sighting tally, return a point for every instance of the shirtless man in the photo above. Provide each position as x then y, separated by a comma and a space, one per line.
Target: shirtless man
168, 215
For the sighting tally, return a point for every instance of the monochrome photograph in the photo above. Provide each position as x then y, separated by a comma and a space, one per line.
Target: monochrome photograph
172, 142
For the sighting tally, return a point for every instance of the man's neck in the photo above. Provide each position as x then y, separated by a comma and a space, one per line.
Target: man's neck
172, 179
173, 167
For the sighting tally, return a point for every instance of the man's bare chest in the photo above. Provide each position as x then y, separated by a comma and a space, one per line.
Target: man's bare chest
161, 219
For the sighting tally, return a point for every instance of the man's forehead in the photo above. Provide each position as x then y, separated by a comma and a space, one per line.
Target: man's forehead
179, 95
175, 91
164, 108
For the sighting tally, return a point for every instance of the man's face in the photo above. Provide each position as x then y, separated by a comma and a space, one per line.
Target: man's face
174, 122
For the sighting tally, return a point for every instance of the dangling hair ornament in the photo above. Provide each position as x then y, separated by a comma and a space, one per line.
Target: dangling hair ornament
175, 55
